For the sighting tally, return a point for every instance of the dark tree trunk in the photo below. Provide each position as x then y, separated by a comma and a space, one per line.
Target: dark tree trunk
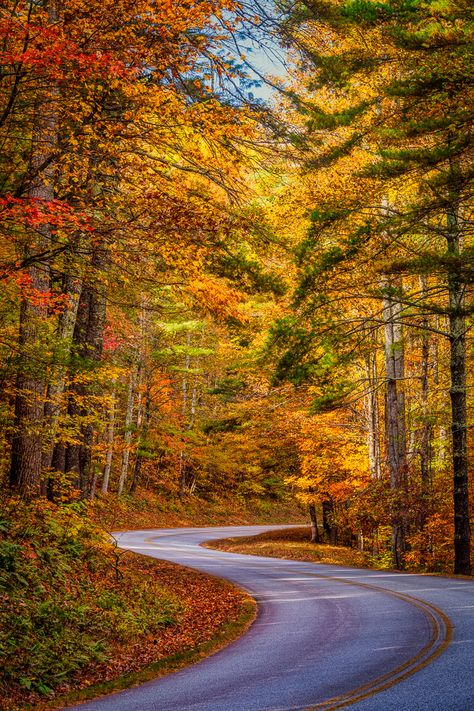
426, 427
457, 330
330, 530
66, 323
141, 443
87, 345
314, 524
395, 417
77, 393
58, 462
25, 467
53, 457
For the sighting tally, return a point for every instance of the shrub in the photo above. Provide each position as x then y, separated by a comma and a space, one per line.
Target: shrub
64, 598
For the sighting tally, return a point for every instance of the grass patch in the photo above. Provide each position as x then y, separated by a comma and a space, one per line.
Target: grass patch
294, 544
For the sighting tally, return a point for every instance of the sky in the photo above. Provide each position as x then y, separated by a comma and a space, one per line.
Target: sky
269, 62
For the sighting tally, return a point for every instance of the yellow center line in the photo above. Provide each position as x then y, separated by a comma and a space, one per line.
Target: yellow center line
440, 638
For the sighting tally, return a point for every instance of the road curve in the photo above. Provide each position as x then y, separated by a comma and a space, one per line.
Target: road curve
326, 637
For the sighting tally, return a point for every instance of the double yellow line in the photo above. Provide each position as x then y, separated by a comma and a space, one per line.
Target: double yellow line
441, 634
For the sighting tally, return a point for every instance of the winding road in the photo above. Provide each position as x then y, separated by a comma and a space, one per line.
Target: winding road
325, 637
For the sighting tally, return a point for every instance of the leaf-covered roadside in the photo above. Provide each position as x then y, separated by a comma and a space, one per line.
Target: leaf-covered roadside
294, 544
75, 611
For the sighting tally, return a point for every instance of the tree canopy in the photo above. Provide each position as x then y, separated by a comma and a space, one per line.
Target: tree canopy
207, 295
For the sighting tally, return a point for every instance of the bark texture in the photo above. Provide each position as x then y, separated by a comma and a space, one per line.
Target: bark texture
87, 347
395, 430
457, 337
314, 524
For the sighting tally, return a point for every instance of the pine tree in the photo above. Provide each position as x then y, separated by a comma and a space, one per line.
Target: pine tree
393, 81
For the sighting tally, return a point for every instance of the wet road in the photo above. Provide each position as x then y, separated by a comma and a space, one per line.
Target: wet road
325, 637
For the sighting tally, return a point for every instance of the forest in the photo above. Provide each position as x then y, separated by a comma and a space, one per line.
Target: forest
237, 269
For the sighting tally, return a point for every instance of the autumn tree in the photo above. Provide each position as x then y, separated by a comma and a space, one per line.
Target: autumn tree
386, 111
124, 138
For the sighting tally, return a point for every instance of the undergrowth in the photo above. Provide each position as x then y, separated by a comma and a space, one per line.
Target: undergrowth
146, 509
64, 597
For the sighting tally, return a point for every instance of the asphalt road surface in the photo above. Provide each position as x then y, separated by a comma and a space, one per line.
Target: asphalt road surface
325, 637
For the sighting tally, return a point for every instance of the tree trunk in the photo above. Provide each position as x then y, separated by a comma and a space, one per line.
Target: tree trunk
142, 442
26, 459
314, 524
457, 331
372, 416
426, 428
110, 445
184, 409
395, 416
328, 526
88, 342
57, 384
25, 468
127, 434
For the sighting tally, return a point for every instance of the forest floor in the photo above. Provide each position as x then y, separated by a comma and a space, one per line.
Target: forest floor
212, 613
294, 544
148, 510
80, 618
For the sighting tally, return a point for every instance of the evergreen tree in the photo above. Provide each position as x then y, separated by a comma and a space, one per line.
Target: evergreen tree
387, 97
